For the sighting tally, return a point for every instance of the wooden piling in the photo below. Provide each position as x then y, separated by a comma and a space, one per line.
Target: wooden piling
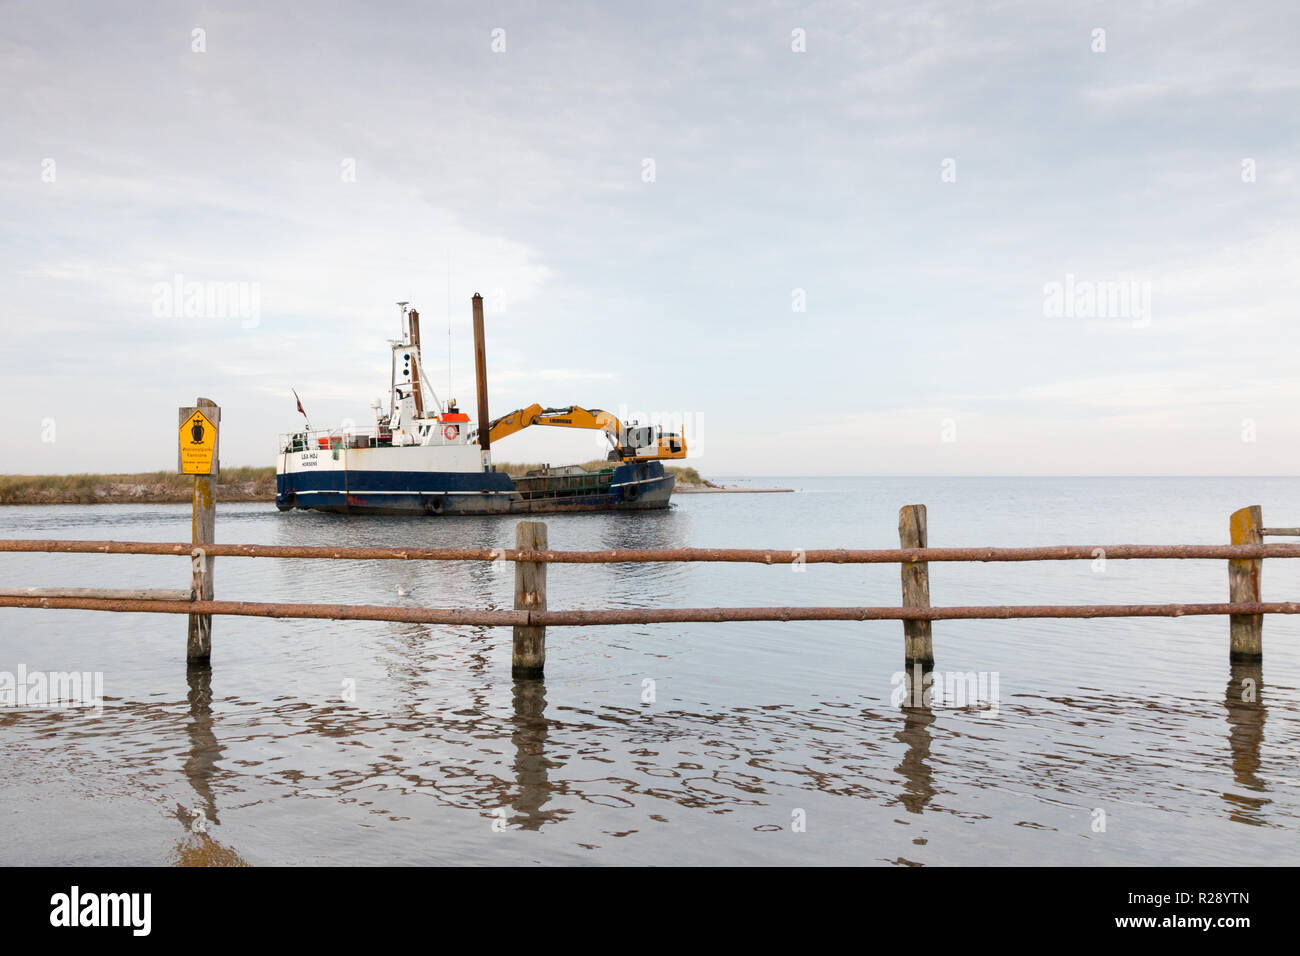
480, 378
529, 656
918, 646
1246, 631
198, 647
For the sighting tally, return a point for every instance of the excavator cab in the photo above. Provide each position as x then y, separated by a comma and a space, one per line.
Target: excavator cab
651, 443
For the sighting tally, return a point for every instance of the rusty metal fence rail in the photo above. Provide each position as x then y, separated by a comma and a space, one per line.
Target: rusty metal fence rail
1060, 552
531, 557
682, 615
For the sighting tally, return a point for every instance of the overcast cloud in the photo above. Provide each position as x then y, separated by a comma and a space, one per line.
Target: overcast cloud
918, 177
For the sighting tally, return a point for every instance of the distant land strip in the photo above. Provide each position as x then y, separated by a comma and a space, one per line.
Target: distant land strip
233, 485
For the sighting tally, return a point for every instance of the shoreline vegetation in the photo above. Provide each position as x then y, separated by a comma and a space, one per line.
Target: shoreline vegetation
234, 485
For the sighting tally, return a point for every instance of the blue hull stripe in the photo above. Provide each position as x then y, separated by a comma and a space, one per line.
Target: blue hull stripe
337, 489
410, 482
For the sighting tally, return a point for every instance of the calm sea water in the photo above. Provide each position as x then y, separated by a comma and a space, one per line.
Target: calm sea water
1112, 741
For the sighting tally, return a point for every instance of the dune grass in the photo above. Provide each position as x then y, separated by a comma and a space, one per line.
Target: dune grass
247, 483
684, 474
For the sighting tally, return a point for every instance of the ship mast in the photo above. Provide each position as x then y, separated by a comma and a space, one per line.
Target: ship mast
412, 396
395, 344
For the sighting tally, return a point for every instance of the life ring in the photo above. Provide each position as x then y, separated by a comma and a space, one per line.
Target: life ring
450, 431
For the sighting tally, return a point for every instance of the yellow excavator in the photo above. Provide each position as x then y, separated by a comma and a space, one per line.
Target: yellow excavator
630, 442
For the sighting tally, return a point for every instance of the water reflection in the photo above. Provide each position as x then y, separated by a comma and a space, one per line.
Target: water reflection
1244, 700
201, 764
386, 781
918, 778
642, 585
528, 736
205, 750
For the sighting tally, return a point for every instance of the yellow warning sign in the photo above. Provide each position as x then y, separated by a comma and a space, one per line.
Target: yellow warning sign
198, 443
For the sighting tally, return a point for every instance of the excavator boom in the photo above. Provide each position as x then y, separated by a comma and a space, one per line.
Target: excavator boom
631, 443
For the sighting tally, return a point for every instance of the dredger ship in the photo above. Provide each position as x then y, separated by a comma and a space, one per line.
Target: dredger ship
425, 457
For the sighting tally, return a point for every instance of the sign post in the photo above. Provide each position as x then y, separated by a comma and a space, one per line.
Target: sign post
197, 455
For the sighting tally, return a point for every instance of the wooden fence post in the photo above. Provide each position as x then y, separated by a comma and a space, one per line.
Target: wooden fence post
198, 646
1246, 526
529, 657
918, 647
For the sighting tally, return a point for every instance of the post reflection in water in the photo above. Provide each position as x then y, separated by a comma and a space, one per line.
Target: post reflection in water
198, 848
918, 778
1244, 700
528, 735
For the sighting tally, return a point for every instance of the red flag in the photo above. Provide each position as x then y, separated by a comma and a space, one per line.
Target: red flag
299, 400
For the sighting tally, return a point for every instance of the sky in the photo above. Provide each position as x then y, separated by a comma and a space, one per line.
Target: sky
830, 238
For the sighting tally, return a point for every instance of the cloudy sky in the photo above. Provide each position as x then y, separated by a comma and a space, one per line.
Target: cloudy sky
836, 237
